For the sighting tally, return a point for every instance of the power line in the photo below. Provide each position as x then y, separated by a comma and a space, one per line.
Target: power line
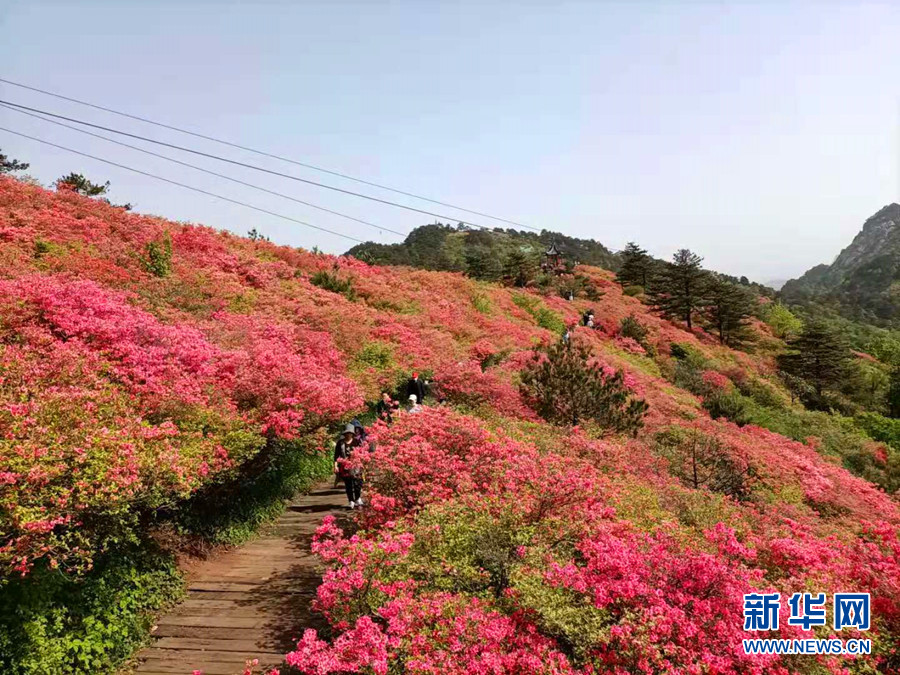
245, 165
272, 156
199, 168
187, 187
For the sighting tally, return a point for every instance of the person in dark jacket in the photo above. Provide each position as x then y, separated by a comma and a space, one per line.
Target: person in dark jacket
343, 452
417, 387
386, 408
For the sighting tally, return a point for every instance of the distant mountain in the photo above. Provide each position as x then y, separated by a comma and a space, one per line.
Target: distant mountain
863, 282
457, 248
776, 283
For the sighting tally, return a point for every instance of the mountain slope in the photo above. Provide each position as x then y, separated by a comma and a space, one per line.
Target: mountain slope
860, 283
143, 362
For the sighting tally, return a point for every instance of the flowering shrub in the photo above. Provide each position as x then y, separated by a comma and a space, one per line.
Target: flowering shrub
494, 542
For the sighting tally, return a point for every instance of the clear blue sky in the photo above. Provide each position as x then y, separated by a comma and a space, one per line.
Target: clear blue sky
759, 134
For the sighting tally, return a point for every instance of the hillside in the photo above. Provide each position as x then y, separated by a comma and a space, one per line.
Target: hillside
478, 252
860, 283
149, 367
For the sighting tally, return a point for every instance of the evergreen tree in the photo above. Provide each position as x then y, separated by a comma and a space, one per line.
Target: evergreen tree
564, 387
818, 356
677, 289
78, 183
637, 266
10, 165
727, 309
520, 267
893, 393
482, 263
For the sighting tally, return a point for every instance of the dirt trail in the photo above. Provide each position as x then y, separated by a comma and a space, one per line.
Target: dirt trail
249, 602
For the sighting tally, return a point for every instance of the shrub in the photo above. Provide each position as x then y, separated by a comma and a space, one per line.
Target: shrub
632, 328
375, 354
482, 303
54, 624
158, 260
728, 404
702, 461
633, 291
332, 282
564, 387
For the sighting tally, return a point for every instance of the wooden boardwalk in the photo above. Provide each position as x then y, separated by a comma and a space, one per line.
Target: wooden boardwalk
247, 603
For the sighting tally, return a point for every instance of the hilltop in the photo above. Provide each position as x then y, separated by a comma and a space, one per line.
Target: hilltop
481, 253
860, 283
155, 374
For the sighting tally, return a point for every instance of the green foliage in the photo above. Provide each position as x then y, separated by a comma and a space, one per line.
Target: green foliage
478, 253
702, 461
8, 165
230, 512
375, 354
728, 404
482, 263
677, 289
520, 267
41, 248
158, 260
51, 623
482, 303
637, 267
727, 307
545, 317
633, 291
819, 357
332, 282
564, 387
893, 393
782, 321
78, 183
632, 328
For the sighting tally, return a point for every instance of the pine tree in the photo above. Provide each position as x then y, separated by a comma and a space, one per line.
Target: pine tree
677, 289
10, 165
893, 393
78, 183
482, 263
637, 266
520, 267
818, 356
727, 308
564, 387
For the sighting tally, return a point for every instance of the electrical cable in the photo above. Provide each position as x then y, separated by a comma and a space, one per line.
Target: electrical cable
183, 185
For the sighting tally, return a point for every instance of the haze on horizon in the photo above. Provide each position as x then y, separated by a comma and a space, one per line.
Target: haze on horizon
759, 135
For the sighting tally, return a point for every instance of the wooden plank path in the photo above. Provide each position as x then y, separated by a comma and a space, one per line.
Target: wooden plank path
249, 602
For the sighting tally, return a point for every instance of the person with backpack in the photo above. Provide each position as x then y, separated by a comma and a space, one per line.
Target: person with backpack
352, 476
416, 387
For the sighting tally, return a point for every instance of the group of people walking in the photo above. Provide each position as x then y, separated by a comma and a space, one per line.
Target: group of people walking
354, 436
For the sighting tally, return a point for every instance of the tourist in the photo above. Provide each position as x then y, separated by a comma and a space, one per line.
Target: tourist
386, 408
352, 476
414, 406
416, 387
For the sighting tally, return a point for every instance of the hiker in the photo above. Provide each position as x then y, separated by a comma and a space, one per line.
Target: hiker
386, 408
587, 316
566, 336
359, 431
590, 320
352, 477
414, 406
416, 387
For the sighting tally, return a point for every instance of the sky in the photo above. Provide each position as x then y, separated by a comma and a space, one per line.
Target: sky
761, 135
